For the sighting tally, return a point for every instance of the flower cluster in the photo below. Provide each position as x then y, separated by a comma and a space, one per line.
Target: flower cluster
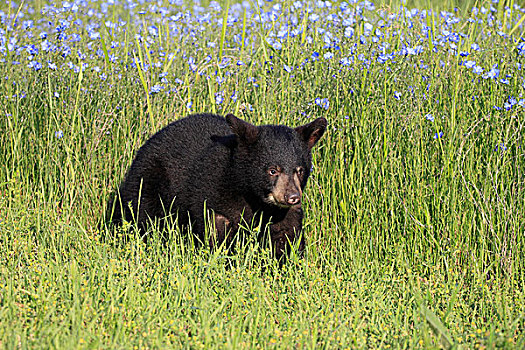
167, 47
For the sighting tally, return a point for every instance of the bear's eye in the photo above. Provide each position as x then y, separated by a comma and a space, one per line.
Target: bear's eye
273, 172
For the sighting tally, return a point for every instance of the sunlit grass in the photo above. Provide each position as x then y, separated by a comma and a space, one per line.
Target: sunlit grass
413, 211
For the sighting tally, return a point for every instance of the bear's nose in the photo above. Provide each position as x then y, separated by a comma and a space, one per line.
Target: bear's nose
293, 198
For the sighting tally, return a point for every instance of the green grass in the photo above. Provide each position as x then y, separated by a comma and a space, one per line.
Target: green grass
413, 241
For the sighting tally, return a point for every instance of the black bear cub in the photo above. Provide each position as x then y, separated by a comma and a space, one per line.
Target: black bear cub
224, 168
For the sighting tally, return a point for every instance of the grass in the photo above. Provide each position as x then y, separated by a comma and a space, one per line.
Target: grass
415, 237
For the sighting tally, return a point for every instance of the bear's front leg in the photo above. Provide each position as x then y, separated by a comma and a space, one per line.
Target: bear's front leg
221, 231
288, 231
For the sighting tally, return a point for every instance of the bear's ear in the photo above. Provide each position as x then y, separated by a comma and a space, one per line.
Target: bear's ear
246, 132
312, 132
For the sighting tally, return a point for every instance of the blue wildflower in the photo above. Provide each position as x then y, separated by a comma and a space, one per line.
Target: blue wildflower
276, 45
510, 103
153, 31
191, 63
283, 33
35, 65
75, 37
349, 32
46, 45
219, 98
224, 63
322, 102
470, 64
493, 73
501, 147
438, 135
156, 89
313, 17
59, 134
94, 35
345, 61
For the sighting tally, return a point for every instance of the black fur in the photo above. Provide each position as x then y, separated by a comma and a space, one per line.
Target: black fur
224, 163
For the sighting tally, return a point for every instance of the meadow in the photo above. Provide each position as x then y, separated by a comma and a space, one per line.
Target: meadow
412, 213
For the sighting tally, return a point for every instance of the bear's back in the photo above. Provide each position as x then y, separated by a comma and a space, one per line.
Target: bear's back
191, 135
182, 142
167, 160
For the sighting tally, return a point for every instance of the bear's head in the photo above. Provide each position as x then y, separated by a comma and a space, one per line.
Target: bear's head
273, 162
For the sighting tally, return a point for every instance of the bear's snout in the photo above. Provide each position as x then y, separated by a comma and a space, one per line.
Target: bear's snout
293, 198
286, 191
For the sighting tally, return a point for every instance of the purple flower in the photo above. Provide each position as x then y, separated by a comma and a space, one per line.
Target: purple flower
438, 135
59, 134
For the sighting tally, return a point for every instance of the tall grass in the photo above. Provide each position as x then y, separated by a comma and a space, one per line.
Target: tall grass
413, 213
